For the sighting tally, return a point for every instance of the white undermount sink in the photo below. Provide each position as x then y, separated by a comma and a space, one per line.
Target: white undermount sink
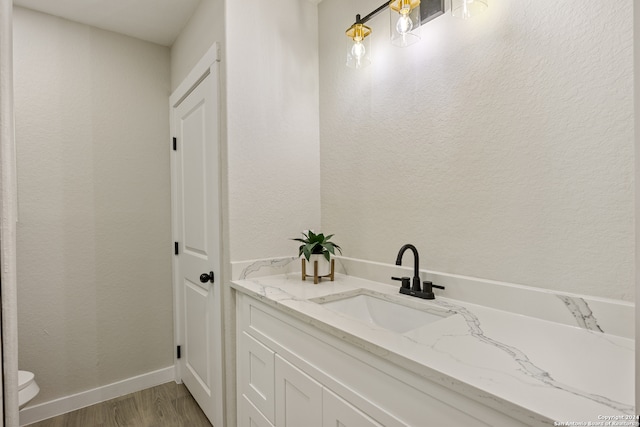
383, 313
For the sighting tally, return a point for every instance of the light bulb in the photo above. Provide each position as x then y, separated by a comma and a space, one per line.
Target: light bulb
358, 50
404, 24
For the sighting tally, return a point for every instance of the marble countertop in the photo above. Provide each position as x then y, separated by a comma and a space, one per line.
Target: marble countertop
535, 370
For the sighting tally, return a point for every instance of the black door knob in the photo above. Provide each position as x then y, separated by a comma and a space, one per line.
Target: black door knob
204, 277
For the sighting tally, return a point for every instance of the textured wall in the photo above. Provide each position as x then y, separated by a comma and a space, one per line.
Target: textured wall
94, 267
272, 125
501, 146
205, 27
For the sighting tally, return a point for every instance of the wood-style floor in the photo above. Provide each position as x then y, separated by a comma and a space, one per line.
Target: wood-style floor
168, 405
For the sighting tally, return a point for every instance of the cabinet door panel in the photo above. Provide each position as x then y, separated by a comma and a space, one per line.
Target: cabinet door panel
249, 416
298, 397
338, 413
257, 375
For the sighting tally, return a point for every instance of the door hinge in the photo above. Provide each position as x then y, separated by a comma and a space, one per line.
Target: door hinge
175, 248
175, 143
178, 352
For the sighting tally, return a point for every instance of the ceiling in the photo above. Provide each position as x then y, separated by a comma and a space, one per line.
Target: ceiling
157, 21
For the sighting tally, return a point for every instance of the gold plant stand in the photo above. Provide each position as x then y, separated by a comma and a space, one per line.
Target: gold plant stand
316, 277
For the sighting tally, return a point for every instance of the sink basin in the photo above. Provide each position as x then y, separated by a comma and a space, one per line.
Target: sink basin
383, 313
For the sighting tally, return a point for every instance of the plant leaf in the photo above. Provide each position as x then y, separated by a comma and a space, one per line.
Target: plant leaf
329, 246
319, 244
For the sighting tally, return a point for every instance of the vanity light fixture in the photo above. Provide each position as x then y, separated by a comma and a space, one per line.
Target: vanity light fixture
359, 50
406, 18
405, 22
402, 33
466, 9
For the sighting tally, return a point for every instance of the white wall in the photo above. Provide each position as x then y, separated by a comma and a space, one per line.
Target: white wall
205, 27
272, 125
502, 146
94, 241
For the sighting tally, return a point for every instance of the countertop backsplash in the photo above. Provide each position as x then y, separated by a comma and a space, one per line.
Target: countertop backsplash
594, 313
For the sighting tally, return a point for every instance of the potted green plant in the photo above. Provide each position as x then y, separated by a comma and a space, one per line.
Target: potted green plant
317, 247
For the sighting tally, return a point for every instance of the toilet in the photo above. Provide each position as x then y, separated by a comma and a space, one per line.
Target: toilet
27, 387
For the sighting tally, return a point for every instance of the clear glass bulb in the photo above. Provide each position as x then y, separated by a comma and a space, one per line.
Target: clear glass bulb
358, 50
404, 24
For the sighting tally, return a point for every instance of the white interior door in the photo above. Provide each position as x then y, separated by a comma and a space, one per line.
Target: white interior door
197, 231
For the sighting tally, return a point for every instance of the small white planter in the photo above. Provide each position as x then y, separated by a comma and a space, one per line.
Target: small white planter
324, 266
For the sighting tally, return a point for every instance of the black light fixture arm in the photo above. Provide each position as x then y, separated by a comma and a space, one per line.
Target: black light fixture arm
372, 14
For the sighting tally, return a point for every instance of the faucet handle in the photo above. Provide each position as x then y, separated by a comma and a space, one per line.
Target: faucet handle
404, 280
428, 285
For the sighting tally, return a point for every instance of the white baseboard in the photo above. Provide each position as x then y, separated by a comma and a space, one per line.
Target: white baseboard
42, 411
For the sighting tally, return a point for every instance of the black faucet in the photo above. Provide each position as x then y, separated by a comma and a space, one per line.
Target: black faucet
415, 289
415, 286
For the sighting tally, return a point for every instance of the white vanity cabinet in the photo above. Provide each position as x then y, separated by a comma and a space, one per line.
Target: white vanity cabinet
292, 374
338, 412
302, 401
256, 368
298, 397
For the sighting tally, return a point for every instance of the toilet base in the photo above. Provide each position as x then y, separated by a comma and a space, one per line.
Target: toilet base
27, 387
